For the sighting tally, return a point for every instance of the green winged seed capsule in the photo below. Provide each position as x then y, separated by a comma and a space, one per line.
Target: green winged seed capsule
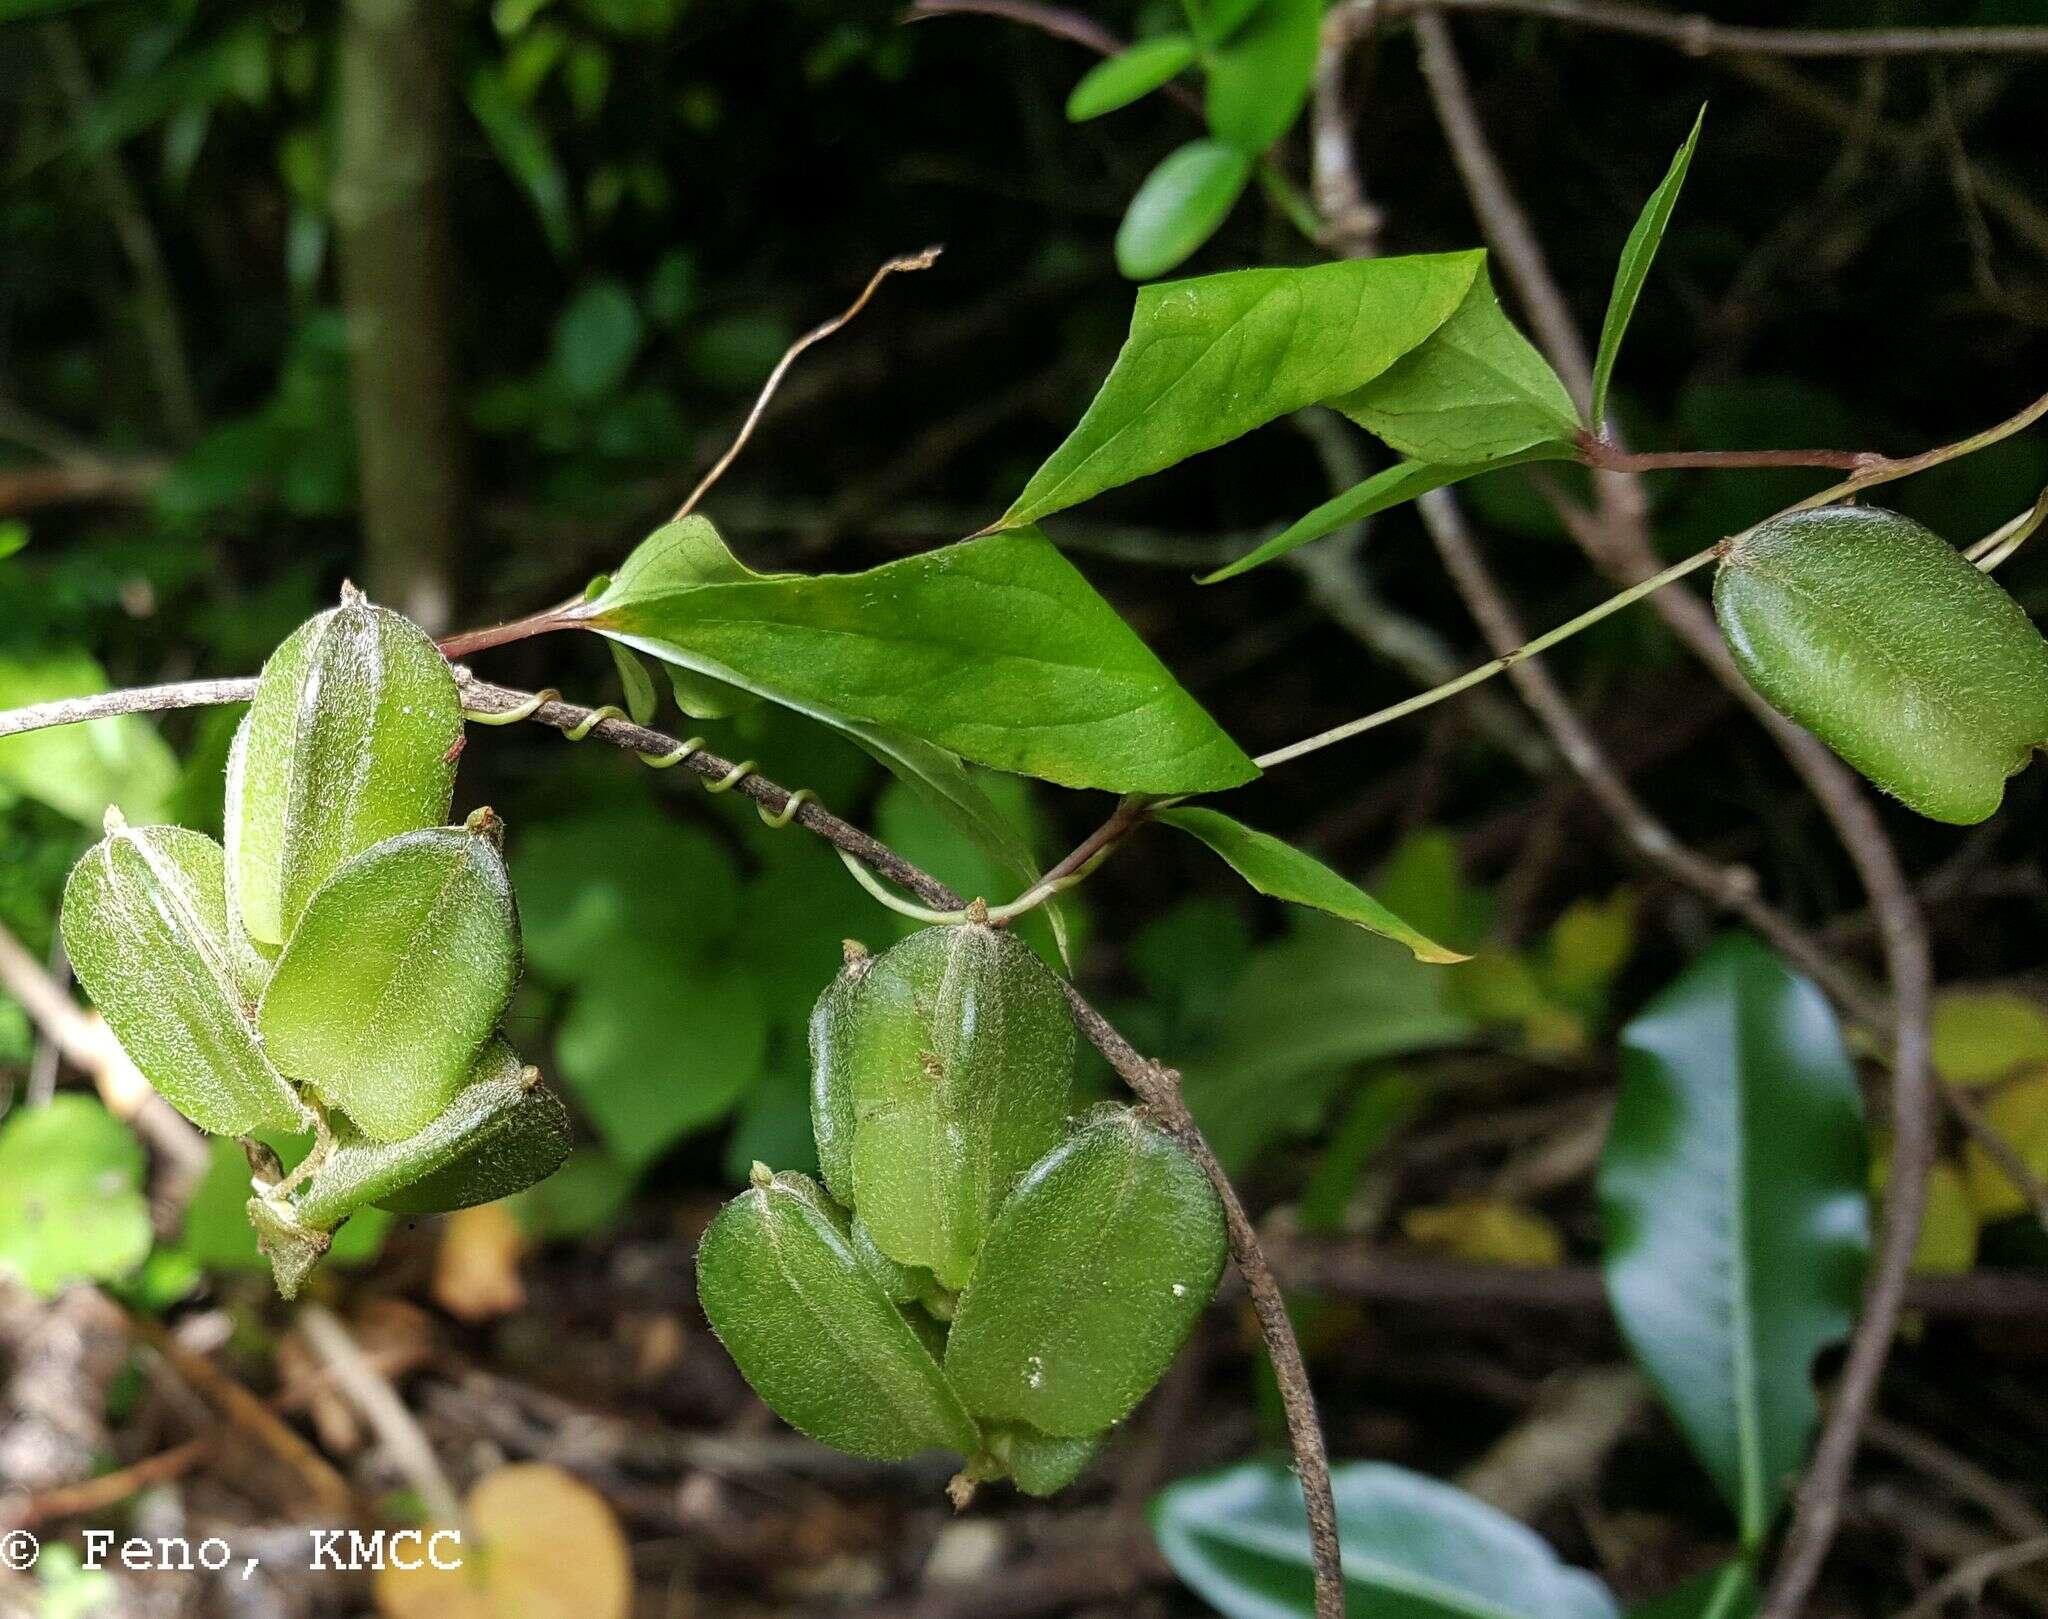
831, 1089
351, 741
145, 925
1891, 647
813, 1332
398, 971
504, 1132
1091, 1278
957, 1047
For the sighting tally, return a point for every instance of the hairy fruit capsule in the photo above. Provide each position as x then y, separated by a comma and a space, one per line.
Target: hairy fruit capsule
1893, 648
351, 740
145, 925
813, 1332
1092, 1276
956, 1048
396, 974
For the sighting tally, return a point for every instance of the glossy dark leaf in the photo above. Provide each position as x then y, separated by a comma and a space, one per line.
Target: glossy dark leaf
1414, 1548
1892, 648
1733, 1204
1637, 254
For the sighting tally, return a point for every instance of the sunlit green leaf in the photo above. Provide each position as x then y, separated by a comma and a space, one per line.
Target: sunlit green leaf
1259, 78
1123, 79
1209, 359
71, 1203
78, 770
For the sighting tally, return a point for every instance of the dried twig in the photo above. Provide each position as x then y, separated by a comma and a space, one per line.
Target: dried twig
1969, 1578
372, 1394
1616, 536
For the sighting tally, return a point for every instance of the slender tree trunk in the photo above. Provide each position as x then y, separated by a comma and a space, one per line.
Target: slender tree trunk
397, 259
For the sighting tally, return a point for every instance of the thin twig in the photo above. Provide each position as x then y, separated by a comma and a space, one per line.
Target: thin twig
817, 334
1969, 1578
1611, 457
372, 1394
1617, 537
1702, 36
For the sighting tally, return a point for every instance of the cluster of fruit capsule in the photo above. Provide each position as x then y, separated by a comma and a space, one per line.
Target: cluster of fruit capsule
341, 966
978, 1272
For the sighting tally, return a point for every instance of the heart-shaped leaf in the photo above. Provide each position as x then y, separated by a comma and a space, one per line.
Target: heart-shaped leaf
1211, 358
1091, 1277
813, 1332
1413, 1546
351, 741
71, 1203
995, 649
396, 974
1732, 1198
956, 1048
503, 1132
145, 925
1284, 872
1885, 642
1179, 206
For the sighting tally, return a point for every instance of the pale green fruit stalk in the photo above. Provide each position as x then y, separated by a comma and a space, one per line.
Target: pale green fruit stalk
1091, 1279
145, 926
1891, 647
957, 1047
351, 740
812, 1331
504, 1132
399, 969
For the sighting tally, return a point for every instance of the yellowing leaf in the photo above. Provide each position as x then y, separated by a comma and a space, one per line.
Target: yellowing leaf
2019, 1112
1982, 1036
537, 1545
1486, 1231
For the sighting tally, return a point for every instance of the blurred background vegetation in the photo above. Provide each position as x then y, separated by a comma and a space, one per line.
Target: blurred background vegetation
571, 237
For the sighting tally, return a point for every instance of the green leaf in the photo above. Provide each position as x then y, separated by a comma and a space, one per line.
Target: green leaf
1259, 78
1209, 359
813, 1332
79, 770
1414, 1548
1636, 256
1304, 1013
1092, 1275
1214, 21
1727, 1592
396, 974
145, 925
71, 1203
1984, 1036
654, 1054
642, 700
1039, 1464
996, 649
503, 1132
1736, 1221
1475, 391
1124, 78
595, 341
1284, 872
521, 142
351, 740
956, 1048
1391, 486
1179, 206
1886, 643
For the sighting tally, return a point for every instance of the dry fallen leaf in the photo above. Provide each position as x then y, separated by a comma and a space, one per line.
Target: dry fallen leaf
476, 1270
538, 1545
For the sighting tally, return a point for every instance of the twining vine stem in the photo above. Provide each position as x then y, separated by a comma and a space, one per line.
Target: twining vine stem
1156, 1085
